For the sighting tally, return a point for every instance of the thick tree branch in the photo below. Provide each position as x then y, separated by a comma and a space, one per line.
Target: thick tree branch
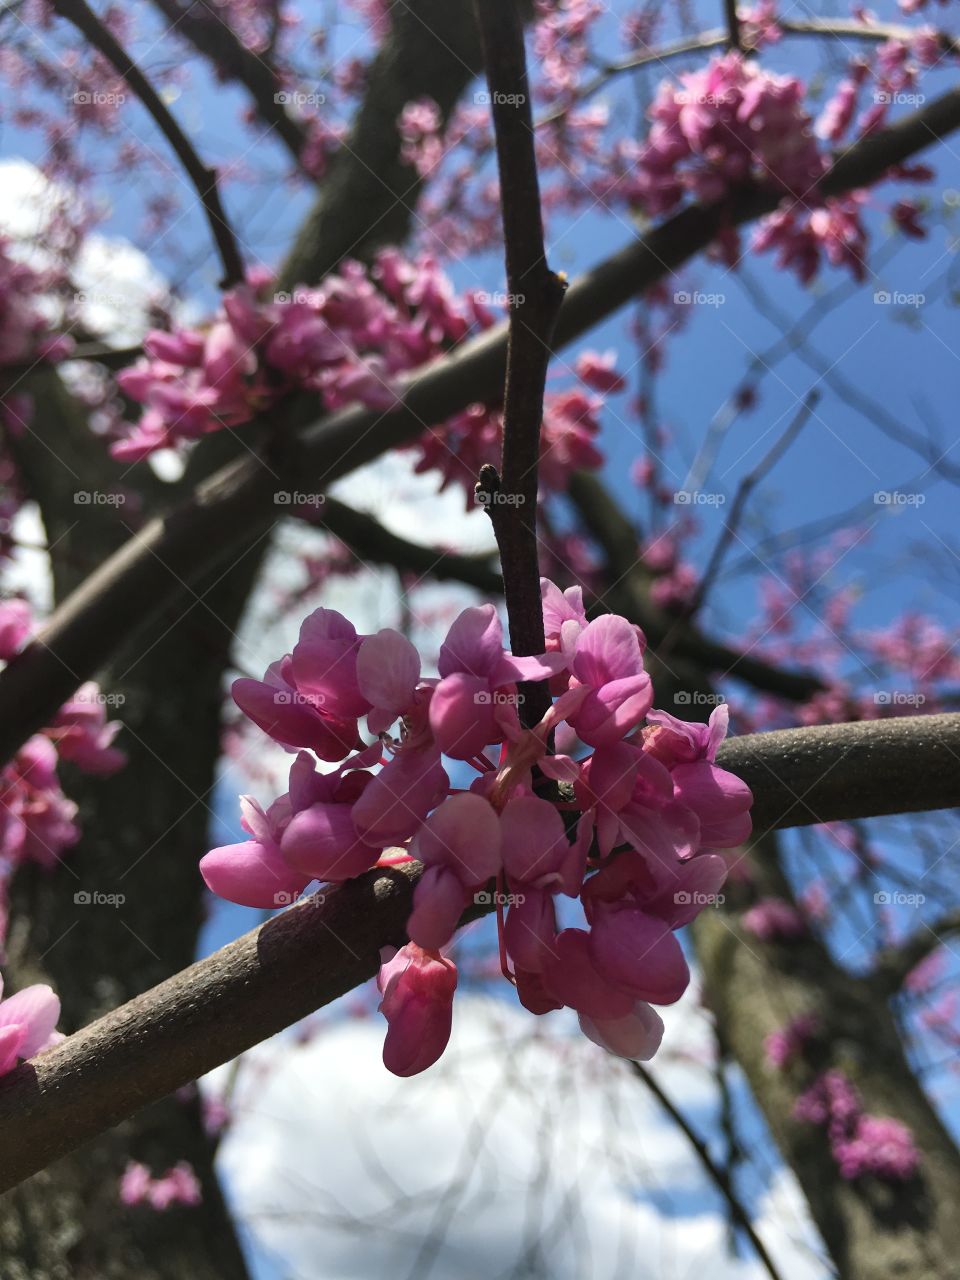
535, 294
325, 946
151, 571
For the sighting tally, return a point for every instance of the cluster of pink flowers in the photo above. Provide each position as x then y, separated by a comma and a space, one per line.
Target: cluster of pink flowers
629, 828
349, 341
28, 1023
727, 124
37, 821
774, 920
179, 1185
863, 1145
789, 1042
26, 335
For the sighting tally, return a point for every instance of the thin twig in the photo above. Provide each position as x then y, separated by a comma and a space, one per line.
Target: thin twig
719, 1177
535, 294
744, 489
204, 180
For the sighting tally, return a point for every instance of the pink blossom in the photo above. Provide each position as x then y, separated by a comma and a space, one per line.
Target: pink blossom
16, 623
416, 988
27, 1024
179, 1185
774, 920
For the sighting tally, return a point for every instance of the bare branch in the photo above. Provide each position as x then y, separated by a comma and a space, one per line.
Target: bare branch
718, 1176
204, 180
535, 293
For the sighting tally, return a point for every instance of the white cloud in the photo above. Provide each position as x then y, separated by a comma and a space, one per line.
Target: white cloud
524, 1144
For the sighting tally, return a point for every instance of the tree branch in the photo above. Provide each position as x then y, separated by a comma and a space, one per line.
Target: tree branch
204, 180
152, 570
535, 294
323, 947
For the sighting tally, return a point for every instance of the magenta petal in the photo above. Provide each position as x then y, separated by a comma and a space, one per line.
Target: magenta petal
640, 954
699, 882
512, 668
636, 1036
291, 720
474, 643
417, 989
533, 995
462, 834
530, 929
613, 710
35, 1010
463, 715
252, 874
534, 839
439, 901
322, 842
400, 796
712, 793
571, 977
11, 1039
608, 649
388, 668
